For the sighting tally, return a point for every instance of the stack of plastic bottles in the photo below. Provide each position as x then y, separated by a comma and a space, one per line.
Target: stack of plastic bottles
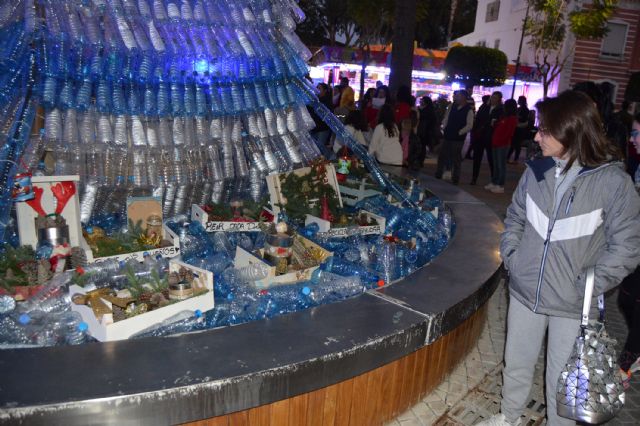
194, 101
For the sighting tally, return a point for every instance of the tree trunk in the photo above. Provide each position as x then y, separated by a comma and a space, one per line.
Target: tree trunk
545, 85
452, 17
365, 61
402, 51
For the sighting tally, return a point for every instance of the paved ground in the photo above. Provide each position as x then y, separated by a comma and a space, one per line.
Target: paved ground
472, 391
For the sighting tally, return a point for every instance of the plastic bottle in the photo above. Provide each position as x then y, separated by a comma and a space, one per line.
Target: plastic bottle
218, 316
181, 322
7, 304
12, 332
69, 327
331, 287
253, 272
53, 297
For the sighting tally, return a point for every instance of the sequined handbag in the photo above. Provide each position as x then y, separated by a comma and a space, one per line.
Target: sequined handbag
589, 388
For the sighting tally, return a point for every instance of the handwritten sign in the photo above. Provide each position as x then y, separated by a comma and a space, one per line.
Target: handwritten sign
232, 226
171, 251
349, 231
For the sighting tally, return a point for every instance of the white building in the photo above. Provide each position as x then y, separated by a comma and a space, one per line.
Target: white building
611, 59
499, 25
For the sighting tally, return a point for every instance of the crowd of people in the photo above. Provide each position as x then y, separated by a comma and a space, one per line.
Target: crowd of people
393, 129
397, 132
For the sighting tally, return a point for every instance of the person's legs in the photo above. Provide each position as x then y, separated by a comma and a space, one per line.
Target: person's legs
500, 165
629, 301
494, 171
517, 147
443, 158
478, 152
487, 147
525, 331
456, 159
562, 336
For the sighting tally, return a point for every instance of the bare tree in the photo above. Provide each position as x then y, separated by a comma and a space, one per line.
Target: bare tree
552, 21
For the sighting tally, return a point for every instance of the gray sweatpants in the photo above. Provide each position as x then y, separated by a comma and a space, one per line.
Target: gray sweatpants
525, 331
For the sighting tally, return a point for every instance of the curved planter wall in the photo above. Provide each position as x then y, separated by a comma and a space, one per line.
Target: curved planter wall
361, 361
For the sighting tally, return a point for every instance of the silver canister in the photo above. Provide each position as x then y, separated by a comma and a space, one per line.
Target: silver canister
55, 236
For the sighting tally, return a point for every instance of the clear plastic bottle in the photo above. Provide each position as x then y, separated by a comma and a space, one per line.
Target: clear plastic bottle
253, 272
13, 333
221, 243
100, 274
181, 322
331, 287
53, 296
7, 304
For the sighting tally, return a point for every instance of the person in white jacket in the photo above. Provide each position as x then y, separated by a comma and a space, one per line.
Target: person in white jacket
385, 142
356, 126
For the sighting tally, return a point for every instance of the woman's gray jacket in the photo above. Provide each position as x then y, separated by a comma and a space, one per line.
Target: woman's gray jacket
596, 223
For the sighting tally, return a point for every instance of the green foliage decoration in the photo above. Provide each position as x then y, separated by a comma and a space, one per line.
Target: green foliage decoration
476, 65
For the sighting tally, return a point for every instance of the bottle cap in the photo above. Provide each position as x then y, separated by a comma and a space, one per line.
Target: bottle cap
24, 319
198, 313
7, 304
80, 270
83, 326
380, 283
306, 290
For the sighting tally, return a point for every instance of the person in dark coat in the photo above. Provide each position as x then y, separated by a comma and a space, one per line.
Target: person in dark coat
321, 133
457, 122
427, 127
486, 118
522, 130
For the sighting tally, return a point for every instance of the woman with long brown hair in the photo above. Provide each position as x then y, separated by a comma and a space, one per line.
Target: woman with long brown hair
573, 209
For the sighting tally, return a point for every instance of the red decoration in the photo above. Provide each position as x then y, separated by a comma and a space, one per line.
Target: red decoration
35, 202
241, 219
63, 192
266, 215
325, 213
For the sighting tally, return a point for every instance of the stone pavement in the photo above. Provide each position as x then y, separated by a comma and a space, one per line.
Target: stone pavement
472, 391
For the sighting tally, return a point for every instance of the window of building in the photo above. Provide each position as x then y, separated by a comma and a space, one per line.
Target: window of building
482, 43
493, 10
613, 43
496, 44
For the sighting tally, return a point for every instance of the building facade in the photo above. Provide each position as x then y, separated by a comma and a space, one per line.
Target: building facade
611, 59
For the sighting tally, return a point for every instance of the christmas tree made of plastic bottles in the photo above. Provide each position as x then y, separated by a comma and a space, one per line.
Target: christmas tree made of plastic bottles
193, 101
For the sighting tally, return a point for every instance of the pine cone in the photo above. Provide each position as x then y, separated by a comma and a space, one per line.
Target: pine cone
118, 314
78, 257
145, 297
